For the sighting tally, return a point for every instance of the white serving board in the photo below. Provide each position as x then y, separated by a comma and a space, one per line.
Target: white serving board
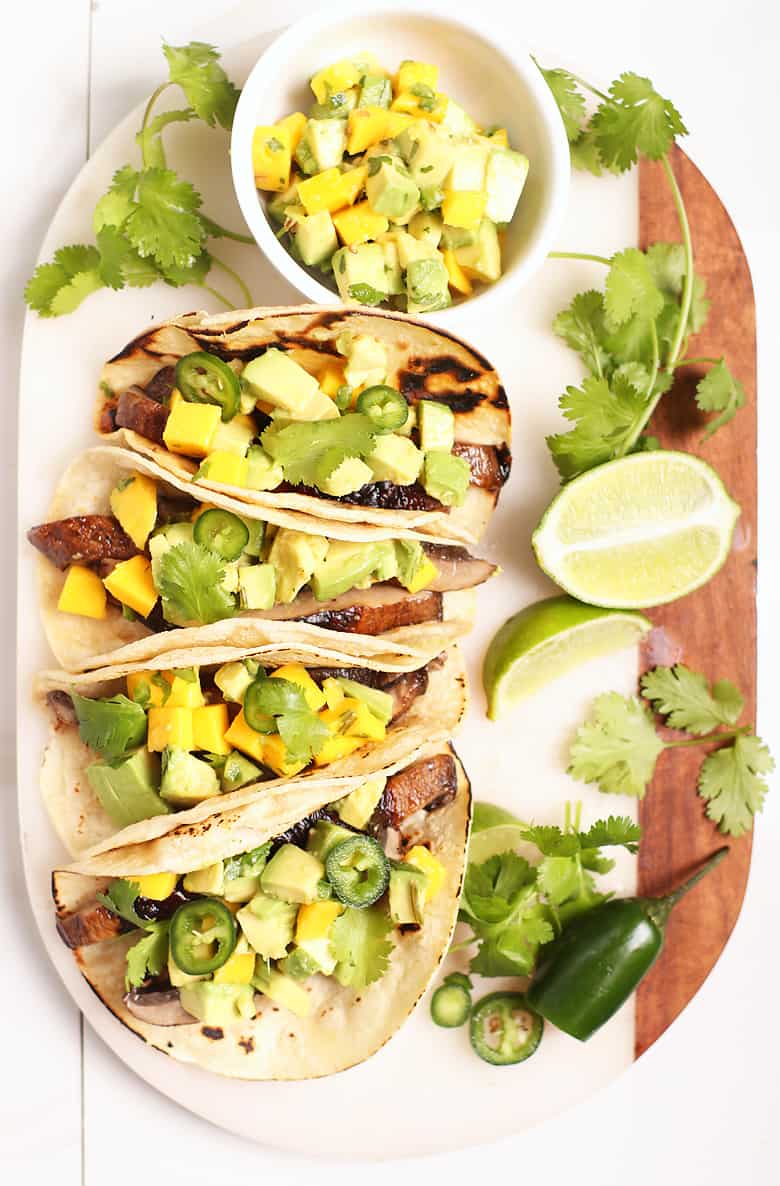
456, 1100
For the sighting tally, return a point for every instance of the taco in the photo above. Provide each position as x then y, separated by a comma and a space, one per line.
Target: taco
286, 940
136, 562
212, 729
354, 415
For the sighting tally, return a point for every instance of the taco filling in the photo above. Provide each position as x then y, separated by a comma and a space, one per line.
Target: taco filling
331, 896
172, 562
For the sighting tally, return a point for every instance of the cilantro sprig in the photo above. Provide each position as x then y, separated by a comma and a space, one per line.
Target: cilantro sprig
147, 957
631, 337
149, 225
618, 746
514, 906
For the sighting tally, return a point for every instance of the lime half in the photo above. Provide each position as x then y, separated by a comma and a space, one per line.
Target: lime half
640, 531
547, 639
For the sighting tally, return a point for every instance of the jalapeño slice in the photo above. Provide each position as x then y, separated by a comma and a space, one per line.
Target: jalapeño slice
504, 1029
358, 871
222, 532
202, 936
205, 379
385, 407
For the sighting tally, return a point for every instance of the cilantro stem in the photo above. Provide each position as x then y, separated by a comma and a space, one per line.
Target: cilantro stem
596, 259
228, 304
218, 231
687, 292
462, 945
147, 113
689, 362
244, 290
725, 735
589, 87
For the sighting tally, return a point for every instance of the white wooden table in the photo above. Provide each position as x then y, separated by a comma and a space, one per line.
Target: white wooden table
701, 1106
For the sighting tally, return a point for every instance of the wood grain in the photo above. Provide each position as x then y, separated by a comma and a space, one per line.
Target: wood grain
714, 629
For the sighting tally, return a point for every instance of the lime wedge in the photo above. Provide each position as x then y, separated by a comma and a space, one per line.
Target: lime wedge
640, 531
504, 838
487, 815
547, 639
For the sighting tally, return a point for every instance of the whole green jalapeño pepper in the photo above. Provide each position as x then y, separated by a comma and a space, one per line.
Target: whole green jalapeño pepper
591, 969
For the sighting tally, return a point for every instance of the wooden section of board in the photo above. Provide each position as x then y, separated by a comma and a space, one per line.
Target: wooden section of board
714, 629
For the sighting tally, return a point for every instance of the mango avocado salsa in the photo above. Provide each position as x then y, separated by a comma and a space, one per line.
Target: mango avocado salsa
390, 186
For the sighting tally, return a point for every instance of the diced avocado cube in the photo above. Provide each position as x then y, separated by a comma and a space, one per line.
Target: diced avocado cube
427, 285
277, 207
177, 977
268, 925
234, 436
427, 226
337, 105
431, 197
347, 565
209, 880
483, 257
406, 895
294, 555
504, 180
257, 586
347, 476
218, 1004
322, 145
262, 472
233, 679
436, 422
319, 953
468, 168
324, 836
375, 91
241, 889
380, 703
428, 152
299, 965
390, 189
315, 238
359, 805
360, 266
394, 281
453, 237
386, 566
238, 771
284, 991
366, 359
410, 249
409, 557
457, 121
395, 459
186, 780
128, 790
277, 379
292, 874
446, 477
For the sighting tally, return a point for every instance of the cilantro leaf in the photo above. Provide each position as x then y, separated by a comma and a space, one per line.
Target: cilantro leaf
303, 734
551, 841
120, 898
731, 783
209, 91
360, 945
148, 956
719, 392
635, 119
194, 273
114, 250
605, 417
112, 726
42, 287
512, 952
570, 100
616, 830
300, 447
164, 223
585, 154
491, 889
630, 289
118, 202
149, 139
558, 878
684, 698
60, 286
190, 583
617, 747
582, 328
366, 294
248, 864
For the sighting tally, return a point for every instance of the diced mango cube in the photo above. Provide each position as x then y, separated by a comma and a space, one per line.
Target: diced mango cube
337, 747
353, 718
239, 968
131, 583
366, 126
412, 105
338, 77
463, 208
271, 158
275, 756
332, 378
293, 125
165, 689
222, 466
209, 725
359, 224
185, 690
241, 736
157, 886
425, 574
457, 277
134, 503
169, 726
191, 427
315, 920
422, 858
331, 190
396, 122
334, 693
412, 74
296, 673
83, 593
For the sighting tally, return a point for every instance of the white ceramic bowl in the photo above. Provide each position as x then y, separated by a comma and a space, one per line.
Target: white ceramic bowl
496, 83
